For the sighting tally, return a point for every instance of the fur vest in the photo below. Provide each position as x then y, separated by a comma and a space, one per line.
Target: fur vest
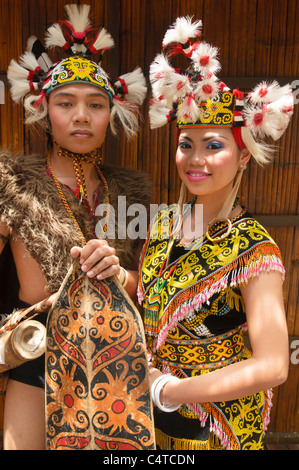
33, 210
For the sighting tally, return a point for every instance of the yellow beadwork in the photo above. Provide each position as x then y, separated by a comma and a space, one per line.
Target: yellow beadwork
79, 70
214, 113
166, 442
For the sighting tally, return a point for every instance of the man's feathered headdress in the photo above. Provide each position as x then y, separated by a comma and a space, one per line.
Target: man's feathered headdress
35, 76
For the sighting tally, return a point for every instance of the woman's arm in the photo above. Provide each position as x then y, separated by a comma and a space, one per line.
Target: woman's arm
268, 366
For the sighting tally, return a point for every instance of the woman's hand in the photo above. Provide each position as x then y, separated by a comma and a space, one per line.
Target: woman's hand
153, 373
164, 397
97, 259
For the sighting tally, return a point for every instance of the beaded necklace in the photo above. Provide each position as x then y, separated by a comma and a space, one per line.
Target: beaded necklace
81, 186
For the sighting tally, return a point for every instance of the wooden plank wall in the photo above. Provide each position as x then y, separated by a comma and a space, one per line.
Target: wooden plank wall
257, 39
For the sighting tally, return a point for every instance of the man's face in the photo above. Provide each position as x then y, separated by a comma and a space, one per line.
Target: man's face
79, 116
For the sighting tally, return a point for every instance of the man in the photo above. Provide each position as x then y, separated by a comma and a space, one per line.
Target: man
48, 203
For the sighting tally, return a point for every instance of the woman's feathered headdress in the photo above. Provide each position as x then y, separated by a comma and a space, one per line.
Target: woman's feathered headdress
35, 76
196, 97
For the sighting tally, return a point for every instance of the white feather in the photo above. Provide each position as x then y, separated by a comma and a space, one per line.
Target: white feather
283, 96
280, 114
210, 64
173, 87
182, 30
275, 125
35, 114
202, 91
157, 91
262, 92
30, 43
78, 16
54, 36
274, 104
16, 72
158, 115
262, 122
28, 60
284, 105
160, 67
78, 48
136, 84
269, 92
20, 88
127, 114
166, 83
43, 60
189, 110
103, 40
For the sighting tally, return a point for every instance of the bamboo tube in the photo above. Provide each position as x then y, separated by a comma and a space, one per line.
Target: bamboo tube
24, 343
22, 338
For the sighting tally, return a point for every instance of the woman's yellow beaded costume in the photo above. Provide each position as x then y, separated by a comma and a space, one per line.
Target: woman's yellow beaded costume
194, 324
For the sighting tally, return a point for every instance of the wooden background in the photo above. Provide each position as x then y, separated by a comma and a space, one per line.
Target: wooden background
258, 39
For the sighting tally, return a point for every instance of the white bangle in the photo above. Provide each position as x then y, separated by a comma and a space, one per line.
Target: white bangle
156, 389
123, 276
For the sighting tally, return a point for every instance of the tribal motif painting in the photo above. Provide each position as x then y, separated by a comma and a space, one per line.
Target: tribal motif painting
97, 386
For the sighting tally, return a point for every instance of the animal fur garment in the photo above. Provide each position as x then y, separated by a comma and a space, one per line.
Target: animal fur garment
33, 210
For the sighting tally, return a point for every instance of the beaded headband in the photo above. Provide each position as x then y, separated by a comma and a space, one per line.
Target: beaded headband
78, 70
196, 98
35, 76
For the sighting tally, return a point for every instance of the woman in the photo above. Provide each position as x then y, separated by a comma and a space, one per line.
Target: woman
215, 272
48, 203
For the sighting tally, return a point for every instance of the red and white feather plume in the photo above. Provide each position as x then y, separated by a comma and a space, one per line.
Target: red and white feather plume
182, 30
266, 111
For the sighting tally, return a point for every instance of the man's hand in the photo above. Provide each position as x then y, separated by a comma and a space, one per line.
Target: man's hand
98, 259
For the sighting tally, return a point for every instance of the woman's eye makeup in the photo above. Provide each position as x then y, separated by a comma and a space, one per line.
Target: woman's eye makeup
215, 145
184, 145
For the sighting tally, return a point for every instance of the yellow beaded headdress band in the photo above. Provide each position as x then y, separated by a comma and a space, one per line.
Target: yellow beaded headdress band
35, 77
195, 97
77, 69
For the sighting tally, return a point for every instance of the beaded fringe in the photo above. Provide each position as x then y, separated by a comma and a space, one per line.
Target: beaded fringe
241, 271
170, 443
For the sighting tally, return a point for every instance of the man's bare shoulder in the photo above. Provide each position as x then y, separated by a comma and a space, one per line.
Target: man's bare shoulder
31, 279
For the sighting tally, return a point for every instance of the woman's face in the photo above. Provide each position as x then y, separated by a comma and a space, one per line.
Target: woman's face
79, 116
208, 160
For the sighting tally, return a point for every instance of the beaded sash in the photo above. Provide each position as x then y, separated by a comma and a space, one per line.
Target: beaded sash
207, 353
